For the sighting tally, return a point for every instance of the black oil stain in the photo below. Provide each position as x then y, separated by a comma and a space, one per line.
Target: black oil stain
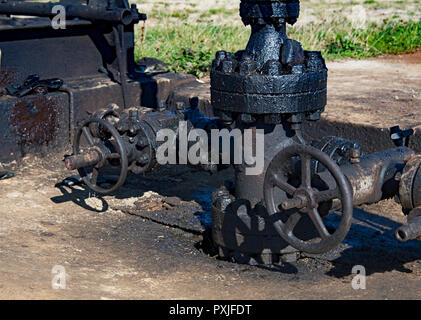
35, 119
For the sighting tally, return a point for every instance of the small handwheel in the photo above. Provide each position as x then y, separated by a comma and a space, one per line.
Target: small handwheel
102, 151
305, 199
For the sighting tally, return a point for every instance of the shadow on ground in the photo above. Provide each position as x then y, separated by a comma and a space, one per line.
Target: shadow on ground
370, 242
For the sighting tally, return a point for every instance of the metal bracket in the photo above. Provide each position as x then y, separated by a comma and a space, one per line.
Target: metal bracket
33, 82
400, 137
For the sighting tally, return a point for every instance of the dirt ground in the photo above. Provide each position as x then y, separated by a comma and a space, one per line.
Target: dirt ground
378, 92
223, 12
108, 254
368, 97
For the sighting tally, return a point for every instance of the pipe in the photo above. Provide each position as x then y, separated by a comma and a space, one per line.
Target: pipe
69, 91
410, 231
374, 178
122, 60
117, 15
90, 158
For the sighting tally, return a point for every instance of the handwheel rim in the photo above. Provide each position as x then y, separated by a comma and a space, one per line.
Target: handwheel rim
121, 150
345, 189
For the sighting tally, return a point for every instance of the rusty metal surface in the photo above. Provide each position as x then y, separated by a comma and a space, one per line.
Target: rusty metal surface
7, 76
410, 231
88, 95
35, 119
374, 178
87, 159
409, 186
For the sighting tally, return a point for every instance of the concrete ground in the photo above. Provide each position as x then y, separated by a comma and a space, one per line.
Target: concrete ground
108, 254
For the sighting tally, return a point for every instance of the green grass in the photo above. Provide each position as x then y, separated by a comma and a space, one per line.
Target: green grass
342, 41
191, 48
386, 38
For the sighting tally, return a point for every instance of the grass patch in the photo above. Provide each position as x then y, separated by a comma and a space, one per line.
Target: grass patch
191, 48
386, 38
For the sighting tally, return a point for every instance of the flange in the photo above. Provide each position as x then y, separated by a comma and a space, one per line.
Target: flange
410, 184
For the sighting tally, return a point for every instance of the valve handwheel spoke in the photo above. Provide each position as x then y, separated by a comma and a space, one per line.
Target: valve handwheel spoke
114, 156
283, 185
305, 199
293, 221
88, 136
305, 169
94, 176
104, 150
327, 195
318, 223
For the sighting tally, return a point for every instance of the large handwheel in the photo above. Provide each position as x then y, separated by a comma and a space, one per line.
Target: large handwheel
305, 199
103, 150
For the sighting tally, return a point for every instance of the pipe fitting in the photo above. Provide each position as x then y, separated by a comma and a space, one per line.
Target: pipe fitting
410, 231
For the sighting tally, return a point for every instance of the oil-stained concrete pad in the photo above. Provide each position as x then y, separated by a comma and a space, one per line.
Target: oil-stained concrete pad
169, 211
111, 255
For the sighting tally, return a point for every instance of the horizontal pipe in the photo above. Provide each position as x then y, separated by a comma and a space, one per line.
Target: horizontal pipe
410, 231
84, 160
118, 15
374, 178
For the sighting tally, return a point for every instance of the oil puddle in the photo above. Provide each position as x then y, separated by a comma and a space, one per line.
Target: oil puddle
203, 196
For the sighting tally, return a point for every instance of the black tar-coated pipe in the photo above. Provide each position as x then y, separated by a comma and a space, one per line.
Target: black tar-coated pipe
117, 15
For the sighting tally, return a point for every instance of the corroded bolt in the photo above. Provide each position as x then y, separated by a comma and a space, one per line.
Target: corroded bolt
355, 155
227, 66
272, 68
247, 66
298, 69
134, 114
144, 159
161, 106
143, 142
223, 192
247, 118
297, 118
315, 116
225, 116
